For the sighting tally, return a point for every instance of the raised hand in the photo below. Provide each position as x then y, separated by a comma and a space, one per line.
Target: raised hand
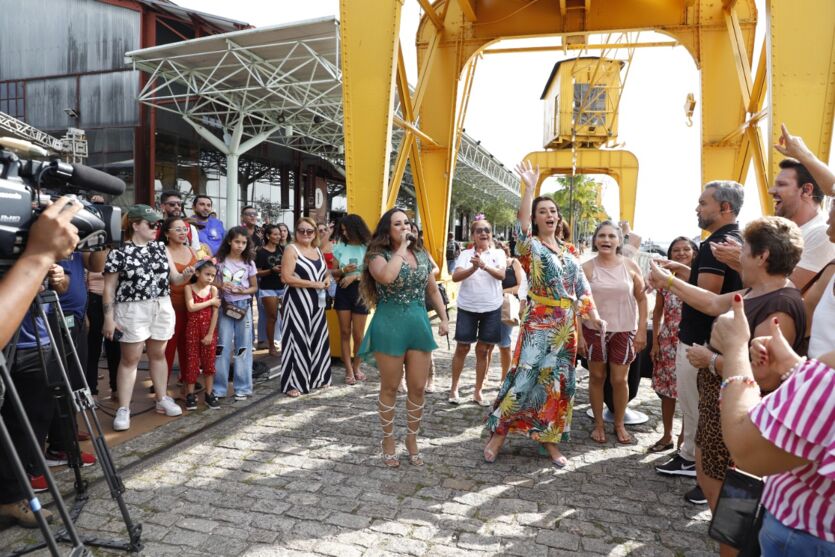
529, 174
730, 330
791, 145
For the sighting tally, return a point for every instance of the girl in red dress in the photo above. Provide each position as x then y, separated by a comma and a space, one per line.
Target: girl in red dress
202, 303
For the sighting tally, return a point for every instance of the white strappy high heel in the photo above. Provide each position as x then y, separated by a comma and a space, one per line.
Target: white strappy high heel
414, 413
390, 460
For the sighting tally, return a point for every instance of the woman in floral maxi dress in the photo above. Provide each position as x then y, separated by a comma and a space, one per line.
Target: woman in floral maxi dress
537, 396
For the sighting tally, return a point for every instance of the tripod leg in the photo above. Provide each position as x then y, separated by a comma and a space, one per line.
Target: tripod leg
82, 401
22, 477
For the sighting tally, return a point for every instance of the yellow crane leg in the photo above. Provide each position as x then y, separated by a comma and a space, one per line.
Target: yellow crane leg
621, 165
438, 119
801, 39
723, 108
369, 31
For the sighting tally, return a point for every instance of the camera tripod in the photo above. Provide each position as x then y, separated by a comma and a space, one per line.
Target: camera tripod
70, 402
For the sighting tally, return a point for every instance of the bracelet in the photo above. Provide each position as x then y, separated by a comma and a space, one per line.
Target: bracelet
712, 365
794, 368
746, 380
670, 281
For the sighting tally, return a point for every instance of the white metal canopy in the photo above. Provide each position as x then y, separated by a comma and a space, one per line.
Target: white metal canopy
280, 84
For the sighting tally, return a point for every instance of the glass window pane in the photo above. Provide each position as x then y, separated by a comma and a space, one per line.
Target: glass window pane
2, 90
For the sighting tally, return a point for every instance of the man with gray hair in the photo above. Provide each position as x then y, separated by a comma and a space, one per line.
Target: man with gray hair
717, 211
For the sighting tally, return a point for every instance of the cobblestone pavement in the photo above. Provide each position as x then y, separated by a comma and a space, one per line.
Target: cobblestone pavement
304, 477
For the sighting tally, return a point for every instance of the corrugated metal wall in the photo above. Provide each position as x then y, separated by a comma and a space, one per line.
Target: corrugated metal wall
109, 99
58, 37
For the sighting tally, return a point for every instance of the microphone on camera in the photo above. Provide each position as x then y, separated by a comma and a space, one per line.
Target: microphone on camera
102, 182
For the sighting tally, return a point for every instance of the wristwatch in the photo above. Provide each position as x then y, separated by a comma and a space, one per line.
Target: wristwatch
712, 365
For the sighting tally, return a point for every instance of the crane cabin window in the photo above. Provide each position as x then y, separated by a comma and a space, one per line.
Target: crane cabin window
589, 104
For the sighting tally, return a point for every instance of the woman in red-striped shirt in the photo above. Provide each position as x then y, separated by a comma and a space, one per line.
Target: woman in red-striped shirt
788, 436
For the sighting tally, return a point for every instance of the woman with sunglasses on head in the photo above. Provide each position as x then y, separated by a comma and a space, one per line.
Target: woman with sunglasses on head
352, 313
480, 270
174, 234
136, 302
536, 398
305, 348
397, 280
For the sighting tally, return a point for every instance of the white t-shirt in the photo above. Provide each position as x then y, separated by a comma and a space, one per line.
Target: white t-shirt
481, 291
817, 249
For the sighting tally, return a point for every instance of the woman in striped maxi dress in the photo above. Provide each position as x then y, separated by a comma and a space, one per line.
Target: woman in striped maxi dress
305, 348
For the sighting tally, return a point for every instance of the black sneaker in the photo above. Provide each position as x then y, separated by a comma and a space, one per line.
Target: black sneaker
212, 402
696, 496
677, 466
191, 402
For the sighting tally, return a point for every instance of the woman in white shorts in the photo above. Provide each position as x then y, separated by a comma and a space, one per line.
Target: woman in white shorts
137, 308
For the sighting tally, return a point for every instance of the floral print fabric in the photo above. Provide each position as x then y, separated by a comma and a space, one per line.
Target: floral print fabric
143, 271
664, 364
537, 396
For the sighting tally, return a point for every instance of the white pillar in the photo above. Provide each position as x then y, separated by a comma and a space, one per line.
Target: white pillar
231, 218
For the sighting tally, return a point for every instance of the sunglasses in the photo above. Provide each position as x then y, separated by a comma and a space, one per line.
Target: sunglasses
250, 214
305, 231
153, 225
179, 229
482, 231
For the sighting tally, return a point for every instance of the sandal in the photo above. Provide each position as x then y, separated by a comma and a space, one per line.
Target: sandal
390, 460
412, 417
350, 379
660, 447
293, 393
489, 454
360, 376
601, 439
627, 440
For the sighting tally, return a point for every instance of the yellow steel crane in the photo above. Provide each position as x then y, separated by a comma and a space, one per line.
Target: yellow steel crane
718, 34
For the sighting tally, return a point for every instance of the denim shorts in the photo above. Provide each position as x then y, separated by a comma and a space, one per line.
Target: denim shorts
507, 330
485, 327
778, 540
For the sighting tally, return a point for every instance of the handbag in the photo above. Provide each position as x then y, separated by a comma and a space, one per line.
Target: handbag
232, 311
444, 297
738, 516
510, 310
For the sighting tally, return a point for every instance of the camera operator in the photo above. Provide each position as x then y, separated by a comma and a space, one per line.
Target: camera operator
51, 238
72, 291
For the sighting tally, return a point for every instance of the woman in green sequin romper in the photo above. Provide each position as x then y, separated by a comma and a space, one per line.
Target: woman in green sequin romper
396, 282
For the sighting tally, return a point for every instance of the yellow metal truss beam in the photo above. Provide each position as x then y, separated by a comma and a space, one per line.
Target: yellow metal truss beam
802, 77
368, 97
620, 165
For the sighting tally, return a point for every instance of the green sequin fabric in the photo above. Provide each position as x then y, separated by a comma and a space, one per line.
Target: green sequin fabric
410, 284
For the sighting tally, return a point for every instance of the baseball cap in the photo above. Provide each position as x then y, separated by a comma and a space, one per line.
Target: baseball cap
144, 212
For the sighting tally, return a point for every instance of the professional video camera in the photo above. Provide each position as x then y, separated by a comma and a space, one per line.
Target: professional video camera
27, 186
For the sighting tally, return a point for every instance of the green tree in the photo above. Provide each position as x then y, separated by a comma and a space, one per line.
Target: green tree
587, 213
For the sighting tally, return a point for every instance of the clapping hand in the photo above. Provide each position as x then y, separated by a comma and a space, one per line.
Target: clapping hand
657, 277
727, 252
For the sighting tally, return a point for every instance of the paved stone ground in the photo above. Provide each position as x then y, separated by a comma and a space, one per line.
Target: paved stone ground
303, 477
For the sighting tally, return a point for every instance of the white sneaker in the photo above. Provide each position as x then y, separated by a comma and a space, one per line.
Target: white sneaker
168, 407
122, 420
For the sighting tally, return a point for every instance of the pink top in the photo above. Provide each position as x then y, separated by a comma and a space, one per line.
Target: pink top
798, 418
611, 288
